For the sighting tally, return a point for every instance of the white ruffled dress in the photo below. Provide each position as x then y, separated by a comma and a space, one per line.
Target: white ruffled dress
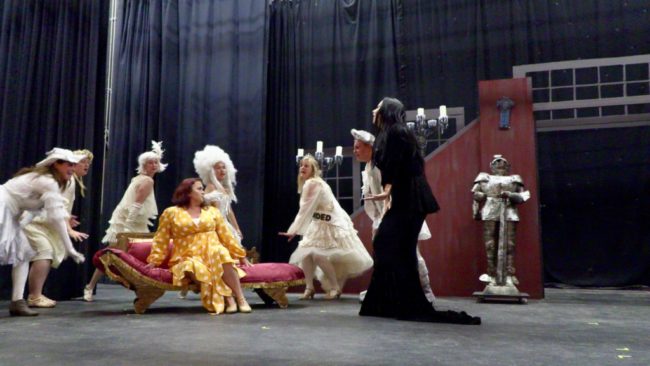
118, 224
327, 230
38, 194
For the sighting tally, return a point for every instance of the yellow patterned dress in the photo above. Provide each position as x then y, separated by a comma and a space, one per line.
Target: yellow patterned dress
199, 248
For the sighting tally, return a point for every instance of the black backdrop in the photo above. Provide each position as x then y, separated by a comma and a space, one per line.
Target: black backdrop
595, 187
190, 73
330, 62
261, 80
52, 65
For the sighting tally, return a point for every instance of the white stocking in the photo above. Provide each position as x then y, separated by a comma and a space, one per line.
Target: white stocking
328, 269
424, 277
308, 267
19, 279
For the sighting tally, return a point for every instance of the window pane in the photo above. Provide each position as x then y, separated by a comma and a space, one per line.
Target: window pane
562, 77
610, 74
587, 75
587, 92
636, 72
634, 89
611, 91
562, 94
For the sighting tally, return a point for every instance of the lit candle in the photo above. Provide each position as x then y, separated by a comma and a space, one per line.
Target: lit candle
339, 151
319, 146
421, 112
301, 152
443, 111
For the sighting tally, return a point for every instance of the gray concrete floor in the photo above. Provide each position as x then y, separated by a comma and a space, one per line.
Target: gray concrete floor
569, 327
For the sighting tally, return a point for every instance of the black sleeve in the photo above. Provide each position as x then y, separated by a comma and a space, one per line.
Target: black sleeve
394, 154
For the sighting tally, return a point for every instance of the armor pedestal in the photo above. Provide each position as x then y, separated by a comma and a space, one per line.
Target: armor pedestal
506, 293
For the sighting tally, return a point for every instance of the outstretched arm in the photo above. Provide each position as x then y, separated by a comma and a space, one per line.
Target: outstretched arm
308, 203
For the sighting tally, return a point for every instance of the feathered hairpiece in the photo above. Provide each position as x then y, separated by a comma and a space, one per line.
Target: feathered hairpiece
156, 153
204, 162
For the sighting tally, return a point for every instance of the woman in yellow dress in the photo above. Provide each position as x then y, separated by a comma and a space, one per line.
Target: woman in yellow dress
204, 250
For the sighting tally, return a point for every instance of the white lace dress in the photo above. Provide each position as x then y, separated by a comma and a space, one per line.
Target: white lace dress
327, 230
118, 224
29, 192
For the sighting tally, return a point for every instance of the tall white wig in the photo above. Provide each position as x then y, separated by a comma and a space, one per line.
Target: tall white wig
204, 162
156, 153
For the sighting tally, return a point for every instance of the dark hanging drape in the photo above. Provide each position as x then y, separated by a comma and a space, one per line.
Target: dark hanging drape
330, 62
52, 62
450, 45
190, 73
596, 197
197, 71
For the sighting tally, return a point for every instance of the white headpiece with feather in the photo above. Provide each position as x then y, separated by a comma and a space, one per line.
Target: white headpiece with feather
204, 162
156, 153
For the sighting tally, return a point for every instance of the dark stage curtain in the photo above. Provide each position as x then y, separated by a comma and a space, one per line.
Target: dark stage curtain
52, 65
330, 62
190, 73
596, 207
450, 45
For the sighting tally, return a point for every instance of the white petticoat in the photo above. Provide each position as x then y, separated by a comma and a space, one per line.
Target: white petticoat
340, 245
14, 247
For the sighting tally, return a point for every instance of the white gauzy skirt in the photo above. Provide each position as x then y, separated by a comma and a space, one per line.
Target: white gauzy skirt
14, 247
341, 246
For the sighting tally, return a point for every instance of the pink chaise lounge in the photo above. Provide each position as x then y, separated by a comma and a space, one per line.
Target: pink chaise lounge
125, 263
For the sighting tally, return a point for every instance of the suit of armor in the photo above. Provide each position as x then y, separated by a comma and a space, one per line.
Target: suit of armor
499, 193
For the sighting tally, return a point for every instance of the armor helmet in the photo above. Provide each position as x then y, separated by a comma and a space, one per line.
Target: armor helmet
499, 165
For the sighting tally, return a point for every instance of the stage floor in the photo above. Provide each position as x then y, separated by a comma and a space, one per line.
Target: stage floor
569, 327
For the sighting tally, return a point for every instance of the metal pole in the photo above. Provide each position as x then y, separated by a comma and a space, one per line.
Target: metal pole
109, 90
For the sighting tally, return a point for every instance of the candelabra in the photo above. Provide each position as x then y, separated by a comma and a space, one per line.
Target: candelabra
423, 128
326, 162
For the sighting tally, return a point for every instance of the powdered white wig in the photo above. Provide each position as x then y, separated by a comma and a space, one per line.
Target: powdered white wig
156, 153
204, 162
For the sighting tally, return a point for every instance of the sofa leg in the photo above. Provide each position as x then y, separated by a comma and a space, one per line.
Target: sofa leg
145, 296
279, 295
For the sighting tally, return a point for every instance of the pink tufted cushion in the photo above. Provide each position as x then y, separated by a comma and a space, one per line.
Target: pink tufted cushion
138, 251
272, 272
141, 250
157, 274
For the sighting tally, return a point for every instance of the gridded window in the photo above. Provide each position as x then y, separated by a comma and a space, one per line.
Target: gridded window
578, 89
340, 180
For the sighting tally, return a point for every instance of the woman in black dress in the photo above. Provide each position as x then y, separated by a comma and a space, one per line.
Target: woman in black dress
395, 290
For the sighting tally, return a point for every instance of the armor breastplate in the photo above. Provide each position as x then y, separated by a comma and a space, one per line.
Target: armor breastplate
492, 186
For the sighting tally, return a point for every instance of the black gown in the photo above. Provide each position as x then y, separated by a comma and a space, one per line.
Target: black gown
395, 290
